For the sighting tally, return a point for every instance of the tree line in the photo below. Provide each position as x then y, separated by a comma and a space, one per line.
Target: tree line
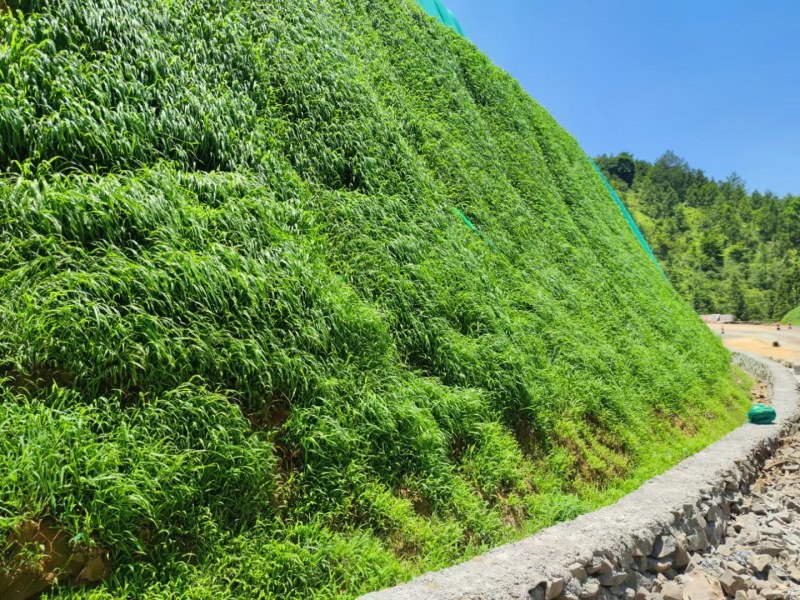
726, 250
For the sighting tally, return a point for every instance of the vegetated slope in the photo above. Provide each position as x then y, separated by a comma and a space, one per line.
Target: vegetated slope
248, 347
724, 249
793, 316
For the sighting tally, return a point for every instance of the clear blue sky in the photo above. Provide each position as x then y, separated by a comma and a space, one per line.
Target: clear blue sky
717, 81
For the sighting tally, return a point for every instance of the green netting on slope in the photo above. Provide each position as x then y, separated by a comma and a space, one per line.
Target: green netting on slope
637, 232
438, 10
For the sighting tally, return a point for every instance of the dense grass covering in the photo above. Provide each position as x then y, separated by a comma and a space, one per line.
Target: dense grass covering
793, 316
246, 344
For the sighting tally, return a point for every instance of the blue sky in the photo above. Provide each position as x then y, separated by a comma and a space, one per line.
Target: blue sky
716, 81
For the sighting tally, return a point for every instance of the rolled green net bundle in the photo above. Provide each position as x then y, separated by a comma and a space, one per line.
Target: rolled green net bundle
761, 414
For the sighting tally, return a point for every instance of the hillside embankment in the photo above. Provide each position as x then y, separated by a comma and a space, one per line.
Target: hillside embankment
302, 299
723, 523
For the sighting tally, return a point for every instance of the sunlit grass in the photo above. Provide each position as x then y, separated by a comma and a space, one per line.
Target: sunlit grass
792, 317
246, 343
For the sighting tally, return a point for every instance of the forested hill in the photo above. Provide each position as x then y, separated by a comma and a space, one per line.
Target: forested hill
724, 249
301, 299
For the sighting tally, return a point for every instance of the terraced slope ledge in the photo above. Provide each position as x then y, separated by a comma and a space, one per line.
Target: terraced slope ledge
626, 550
248, 348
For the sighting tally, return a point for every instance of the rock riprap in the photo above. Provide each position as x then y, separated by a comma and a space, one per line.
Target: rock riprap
761, 554
758, 556
725, 523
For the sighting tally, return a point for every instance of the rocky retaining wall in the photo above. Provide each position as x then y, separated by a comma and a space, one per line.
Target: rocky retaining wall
756, 367
632, 548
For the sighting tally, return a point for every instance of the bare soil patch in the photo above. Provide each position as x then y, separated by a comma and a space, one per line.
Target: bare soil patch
759, 339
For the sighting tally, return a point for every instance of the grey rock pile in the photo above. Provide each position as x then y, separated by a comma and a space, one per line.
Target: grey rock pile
739, 546
761, 554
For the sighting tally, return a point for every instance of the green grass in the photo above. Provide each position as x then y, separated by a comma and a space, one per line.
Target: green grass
247, 345
793, 317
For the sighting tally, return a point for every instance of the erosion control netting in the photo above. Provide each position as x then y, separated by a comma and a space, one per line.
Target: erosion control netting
436, 9
629, 218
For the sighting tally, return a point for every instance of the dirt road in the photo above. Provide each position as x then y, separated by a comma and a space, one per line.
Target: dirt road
759, 339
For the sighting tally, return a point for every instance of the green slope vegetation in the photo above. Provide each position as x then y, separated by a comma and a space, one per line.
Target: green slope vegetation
724, 249
793, 316
247, 347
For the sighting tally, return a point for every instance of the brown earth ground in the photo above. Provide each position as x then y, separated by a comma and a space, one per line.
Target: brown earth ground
759, 339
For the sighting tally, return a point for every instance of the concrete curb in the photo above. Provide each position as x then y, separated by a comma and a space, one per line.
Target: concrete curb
610, 548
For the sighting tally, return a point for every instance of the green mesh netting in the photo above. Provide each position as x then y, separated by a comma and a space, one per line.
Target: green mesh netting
436, 9
629, 218
761, 414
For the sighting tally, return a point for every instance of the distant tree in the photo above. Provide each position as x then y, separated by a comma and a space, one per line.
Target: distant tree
712, 246
767, 213
788, 286
736, 299
621, 167
658, 199
703, 195
790, 221
671, 171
